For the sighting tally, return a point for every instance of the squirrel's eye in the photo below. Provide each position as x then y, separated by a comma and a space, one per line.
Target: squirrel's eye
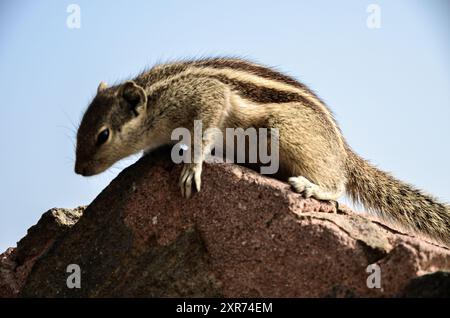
103, 136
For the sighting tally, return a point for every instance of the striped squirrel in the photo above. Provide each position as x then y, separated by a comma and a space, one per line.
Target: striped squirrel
140, 114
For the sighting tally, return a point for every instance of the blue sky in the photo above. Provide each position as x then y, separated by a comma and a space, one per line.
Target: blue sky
388, 87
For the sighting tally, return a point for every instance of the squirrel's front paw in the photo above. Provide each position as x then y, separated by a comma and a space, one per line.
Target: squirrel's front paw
191, 171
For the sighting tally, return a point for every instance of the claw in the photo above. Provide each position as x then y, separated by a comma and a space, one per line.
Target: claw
190, 172
182, 181
198, 179
188, 186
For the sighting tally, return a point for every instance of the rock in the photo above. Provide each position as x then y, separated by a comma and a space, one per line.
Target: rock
9, 282
16, 263
243, 235
434, 285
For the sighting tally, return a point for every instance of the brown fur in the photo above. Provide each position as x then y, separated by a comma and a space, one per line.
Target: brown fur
141, 115
396, 201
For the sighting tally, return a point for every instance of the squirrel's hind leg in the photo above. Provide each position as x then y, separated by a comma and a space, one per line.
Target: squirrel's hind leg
309, 189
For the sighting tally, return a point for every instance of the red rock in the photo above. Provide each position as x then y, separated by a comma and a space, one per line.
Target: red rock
243, 235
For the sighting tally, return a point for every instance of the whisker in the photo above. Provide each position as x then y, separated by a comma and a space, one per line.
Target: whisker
75, 127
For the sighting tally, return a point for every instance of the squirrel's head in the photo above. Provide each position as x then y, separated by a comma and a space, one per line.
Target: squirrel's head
110, 128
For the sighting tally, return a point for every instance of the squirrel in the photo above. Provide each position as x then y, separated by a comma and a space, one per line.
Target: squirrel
314, 157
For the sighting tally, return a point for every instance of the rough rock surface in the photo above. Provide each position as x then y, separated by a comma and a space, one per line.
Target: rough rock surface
243, 235
16, 263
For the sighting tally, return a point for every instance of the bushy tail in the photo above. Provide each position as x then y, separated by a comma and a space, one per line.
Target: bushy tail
397, 201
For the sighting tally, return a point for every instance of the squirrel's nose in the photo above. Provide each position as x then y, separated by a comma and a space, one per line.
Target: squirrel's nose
79, 169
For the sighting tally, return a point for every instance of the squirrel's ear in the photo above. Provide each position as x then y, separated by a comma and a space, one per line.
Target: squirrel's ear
134, 95
101, 86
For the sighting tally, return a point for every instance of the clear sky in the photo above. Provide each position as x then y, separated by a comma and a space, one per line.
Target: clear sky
389, 87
